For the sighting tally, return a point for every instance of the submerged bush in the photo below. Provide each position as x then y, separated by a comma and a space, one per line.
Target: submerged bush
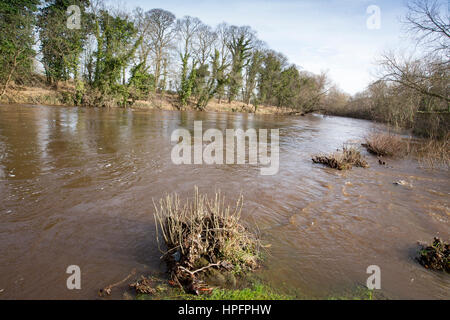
436, 256
385, 145
430, 152
342, 160
434, 153
201, 235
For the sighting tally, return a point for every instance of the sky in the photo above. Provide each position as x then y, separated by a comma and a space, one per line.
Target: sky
317, 35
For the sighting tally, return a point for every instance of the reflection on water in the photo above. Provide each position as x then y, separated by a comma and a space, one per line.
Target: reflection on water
76, 187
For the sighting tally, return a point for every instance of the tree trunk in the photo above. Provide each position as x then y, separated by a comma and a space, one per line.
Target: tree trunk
11, 72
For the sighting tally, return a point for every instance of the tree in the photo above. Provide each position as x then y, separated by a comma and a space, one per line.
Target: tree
222, 58
61, 47
429, 74
251, 74
187, 29
205, 40
270, 73
141, 82
143, 24
241, 41
312, 91
427, 22
158, 37
17, 22
288, 87
114, 34
215, 82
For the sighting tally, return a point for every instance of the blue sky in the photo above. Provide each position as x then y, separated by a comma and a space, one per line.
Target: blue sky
317, 35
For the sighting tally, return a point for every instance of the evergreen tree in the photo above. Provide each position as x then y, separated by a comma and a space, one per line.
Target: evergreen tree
17, 21
240, 44
61, 46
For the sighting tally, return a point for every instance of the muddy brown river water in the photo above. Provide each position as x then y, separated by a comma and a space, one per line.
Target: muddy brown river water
76, 188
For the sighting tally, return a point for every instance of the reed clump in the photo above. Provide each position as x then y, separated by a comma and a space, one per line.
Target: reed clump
203, 236
434, 153
342, 160
385, 145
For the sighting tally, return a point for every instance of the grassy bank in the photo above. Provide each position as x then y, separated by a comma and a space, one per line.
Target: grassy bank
65, 95
255, 291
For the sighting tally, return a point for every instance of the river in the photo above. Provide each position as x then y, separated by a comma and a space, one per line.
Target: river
77, 185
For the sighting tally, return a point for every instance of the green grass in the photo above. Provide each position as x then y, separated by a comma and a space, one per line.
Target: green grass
256, 291
360, 293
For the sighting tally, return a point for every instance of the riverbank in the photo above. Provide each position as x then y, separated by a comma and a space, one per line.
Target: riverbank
65, 95
154, 286
254, 290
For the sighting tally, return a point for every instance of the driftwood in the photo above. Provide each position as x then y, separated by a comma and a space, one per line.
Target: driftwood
107, 290
435, 256
201, 269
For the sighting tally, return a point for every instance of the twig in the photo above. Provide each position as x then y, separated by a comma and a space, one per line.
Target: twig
201, 269
107, 290
174, 276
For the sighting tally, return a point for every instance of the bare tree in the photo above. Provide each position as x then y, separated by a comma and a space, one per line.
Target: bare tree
159, 34
142, 25
429, 22
206, 39
187, 31
427, 75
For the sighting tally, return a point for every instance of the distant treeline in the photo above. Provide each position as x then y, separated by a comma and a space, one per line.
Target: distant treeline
116, 58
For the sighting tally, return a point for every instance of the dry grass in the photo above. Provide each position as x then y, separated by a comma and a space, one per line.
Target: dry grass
433, 153
204, 229
170, 102
385, 145
47, 95
237, 106
342, 160
35, 95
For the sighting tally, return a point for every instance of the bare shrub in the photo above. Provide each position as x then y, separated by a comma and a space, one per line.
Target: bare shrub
385, 145
95, 98
433, 153
342, 160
